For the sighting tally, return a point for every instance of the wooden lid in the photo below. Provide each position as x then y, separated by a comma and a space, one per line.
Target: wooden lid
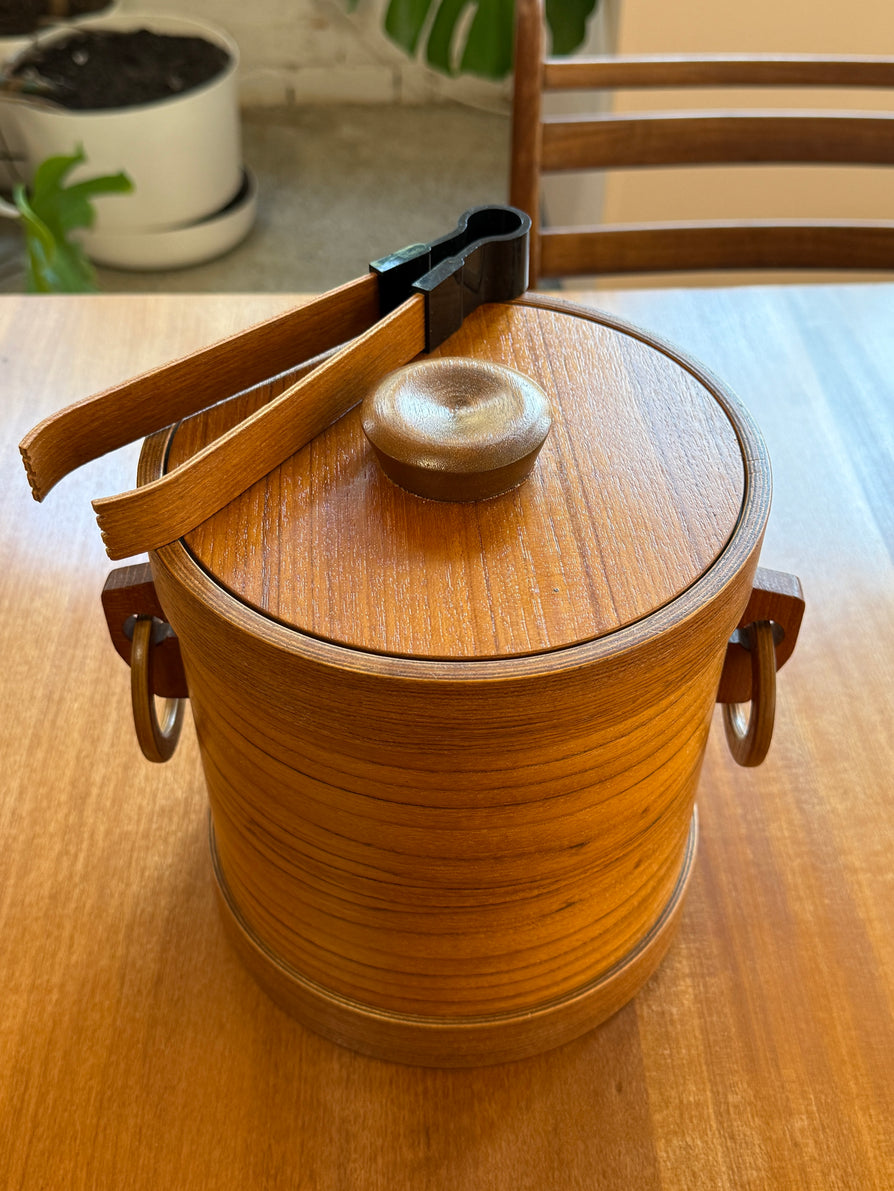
635, 493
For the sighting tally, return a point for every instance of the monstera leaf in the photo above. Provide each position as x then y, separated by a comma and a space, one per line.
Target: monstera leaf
476, 36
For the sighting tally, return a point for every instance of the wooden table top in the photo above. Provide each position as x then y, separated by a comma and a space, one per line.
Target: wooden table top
136, 1052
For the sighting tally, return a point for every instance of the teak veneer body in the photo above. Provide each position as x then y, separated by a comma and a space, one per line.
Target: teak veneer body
454, 855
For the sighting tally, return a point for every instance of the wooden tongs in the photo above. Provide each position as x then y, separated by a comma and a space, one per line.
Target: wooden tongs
409, 302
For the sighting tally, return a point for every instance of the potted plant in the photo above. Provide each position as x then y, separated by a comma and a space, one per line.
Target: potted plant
20, 22
153, 95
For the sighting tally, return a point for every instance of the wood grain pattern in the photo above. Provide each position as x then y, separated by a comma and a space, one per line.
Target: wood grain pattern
735, 138
177, 502
779, 598
89, 428
447, 1042
755, 244
718, 70
130, 592
456, 429
550, 144
451, 853
525, 136
134, 1048
635, 493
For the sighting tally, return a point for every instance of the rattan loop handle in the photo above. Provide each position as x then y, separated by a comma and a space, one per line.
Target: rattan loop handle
749, 742
157, 741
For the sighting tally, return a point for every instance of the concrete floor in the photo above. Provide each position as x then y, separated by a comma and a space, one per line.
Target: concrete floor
338, 187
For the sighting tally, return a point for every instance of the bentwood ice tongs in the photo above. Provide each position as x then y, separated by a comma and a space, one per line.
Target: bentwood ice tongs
410, 302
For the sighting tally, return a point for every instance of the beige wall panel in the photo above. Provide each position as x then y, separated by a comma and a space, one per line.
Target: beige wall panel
795, 26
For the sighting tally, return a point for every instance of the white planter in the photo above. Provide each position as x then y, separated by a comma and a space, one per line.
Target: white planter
11, 47
12, 163
176, 247
183, 153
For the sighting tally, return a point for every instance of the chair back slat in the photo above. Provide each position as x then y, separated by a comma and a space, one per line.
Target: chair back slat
729, 138
755, 245
556, 144
717, 70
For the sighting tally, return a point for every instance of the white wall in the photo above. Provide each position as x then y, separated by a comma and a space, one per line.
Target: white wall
315, 51
575, 198
784, 26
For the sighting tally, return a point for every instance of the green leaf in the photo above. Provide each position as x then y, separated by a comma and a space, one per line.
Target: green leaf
483, 45
50, 174
54, 266
49, 212
74, 206
489, 45
34, 225
404, 20
567, 20
438, 49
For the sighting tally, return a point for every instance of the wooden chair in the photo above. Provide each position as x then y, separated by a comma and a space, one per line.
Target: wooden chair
550, 144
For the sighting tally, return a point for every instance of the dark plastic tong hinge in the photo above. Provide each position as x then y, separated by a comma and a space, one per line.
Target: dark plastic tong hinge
484, 260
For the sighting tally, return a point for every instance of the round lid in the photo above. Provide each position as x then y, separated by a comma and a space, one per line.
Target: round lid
634, 494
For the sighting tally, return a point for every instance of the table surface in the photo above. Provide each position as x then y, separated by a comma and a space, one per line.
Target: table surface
136, 1052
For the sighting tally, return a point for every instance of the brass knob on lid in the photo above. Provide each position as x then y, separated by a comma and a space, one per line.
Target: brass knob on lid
456, 429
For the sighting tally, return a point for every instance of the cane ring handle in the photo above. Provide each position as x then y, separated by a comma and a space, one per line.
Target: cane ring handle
748, 741
157, 740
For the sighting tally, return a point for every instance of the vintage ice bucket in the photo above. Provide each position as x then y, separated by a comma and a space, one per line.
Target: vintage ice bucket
452, 745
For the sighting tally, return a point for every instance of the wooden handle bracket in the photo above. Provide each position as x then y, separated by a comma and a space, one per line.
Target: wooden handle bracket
146, 641
776, 597
763, 642
129, 593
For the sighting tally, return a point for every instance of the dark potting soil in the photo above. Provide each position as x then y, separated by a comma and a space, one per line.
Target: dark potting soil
95, 68
19, 17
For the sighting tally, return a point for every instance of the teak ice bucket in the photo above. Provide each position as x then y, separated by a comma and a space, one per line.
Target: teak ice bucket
452, 745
